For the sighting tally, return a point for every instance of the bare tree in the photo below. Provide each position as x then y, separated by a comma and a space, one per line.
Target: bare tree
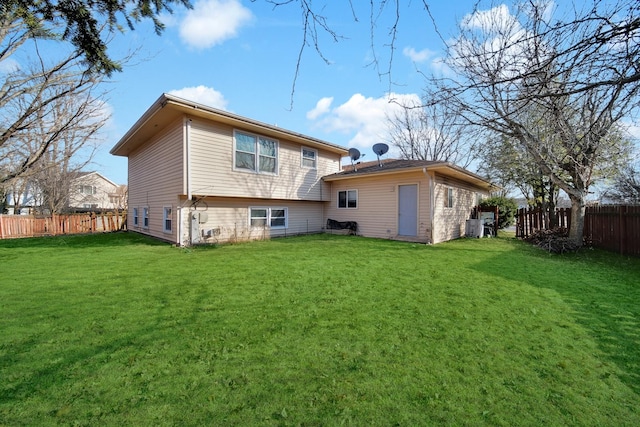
508, 64
593, 31
121, 197
33, 97
58, 168
625, 188
4, 198
430, 132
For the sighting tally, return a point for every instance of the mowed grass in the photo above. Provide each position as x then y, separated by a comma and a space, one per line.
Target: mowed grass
112, 330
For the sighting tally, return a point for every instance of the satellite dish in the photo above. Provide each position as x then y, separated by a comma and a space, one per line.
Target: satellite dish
354, 153
380, 149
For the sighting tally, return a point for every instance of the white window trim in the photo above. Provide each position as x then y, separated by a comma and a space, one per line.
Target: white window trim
136, 218
449, 197
315, 158
91, 189
145, 217
268, 219
347, 199
165, 218
257, 153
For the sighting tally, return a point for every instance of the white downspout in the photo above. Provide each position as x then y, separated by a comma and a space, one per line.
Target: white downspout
187, 157
186, 167
431, 203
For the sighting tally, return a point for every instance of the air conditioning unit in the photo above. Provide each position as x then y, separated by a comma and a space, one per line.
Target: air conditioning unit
474, 228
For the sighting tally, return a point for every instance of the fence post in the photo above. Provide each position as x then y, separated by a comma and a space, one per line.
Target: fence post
623, 229
532, 220
520, 226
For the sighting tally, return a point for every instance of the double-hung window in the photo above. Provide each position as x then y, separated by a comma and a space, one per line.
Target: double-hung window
309, 158
449, 201
166, 220
348, 199
87, 189
135, 217
145, 217
255, 153
268, 217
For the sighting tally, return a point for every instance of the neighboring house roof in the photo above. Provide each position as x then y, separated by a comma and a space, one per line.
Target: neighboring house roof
82, 175
396, 166
168, 108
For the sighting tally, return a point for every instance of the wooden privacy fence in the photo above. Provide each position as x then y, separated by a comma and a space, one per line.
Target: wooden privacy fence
610, 227
530, 220
15, 226
614, 228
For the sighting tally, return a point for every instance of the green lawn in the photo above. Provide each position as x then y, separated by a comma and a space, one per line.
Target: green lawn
113, 330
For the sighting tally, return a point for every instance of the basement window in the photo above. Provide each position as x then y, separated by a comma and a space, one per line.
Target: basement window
268, 217
167, 219
348, 199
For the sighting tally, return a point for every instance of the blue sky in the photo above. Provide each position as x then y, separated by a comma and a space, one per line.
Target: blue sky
241, 56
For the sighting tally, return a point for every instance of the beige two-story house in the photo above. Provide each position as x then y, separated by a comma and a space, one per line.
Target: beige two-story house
91, 190
202, 175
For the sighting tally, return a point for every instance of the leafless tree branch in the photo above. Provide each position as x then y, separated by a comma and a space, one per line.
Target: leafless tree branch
558, 88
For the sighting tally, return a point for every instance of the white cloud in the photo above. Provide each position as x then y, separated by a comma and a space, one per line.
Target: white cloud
495, 40
103, 109
416, 56
365, 117
497, 17
202, 95
322, 107
9, 65
548, 9
168, 19
632, 128
440, 68
211, 22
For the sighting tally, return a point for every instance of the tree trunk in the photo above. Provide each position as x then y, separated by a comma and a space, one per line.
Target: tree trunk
578, 209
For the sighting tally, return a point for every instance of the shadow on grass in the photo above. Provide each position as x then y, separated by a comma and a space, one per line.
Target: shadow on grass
602, 288
85, 355
51, 375
120, 238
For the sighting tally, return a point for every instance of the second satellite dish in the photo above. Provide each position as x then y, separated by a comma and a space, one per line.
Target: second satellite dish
354, 153
380, 149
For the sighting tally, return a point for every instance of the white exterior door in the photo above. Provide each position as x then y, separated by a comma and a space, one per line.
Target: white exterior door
408, 210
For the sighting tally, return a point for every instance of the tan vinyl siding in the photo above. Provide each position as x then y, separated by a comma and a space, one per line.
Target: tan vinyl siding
156, 180
450, 222
377, 211
212, 172
228, 218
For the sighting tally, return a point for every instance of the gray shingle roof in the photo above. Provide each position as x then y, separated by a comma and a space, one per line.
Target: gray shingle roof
386, 165
389, 166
